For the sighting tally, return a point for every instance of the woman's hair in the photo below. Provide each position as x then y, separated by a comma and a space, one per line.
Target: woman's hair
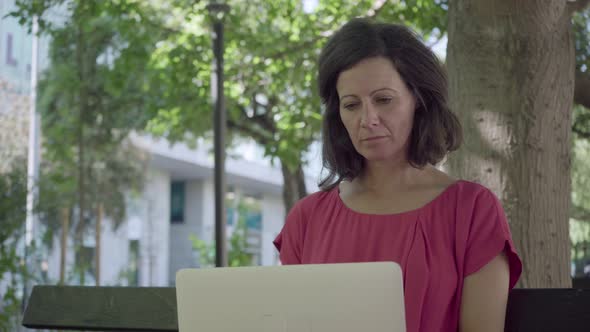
436, 130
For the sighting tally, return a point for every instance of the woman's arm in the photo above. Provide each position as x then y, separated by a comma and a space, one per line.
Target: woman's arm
484, 299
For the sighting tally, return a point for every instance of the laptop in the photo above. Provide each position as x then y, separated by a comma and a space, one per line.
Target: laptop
349, 297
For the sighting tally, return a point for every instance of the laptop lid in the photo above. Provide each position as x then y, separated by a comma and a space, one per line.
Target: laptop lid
347, 297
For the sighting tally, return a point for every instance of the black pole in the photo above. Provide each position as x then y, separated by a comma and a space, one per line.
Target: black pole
219, 142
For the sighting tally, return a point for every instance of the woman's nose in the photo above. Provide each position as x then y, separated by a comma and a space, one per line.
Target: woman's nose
369, 116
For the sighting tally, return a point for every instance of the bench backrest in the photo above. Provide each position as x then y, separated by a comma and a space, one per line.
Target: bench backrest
154, 309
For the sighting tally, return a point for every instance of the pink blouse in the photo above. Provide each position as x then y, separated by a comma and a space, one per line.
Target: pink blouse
437, 245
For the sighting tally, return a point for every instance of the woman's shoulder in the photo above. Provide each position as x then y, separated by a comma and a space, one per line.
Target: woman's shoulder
312, 201
469, 189
439, 180
473, 201
464, 197
307, 207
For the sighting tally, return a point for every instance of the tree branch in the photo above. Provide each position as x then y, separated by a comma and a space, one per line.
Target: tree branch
261, 119
247, 131
577, 5
242, 125
268, 120
582, 88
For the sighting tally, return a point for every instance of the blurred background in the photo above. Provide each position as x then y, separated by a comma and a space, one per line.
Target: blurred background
106, 114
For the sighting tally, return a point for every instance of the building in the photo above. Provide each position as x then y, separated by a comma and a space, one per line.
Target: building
181, 181
15, 81
177, 204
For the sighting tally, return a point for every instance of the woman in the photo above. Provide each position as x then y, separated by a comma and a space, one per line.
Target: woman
386, 124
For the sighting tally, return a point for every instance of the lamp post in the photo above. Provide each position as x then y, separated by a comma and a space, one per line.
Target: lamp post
217, 13
32, 165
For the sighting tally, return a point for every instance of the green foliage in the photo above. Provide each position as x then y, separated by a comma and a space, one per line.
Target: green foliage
90, 99
162, 67
205, 250
580, 222
160, 71
580, 178
83, 109
13, 192
131, 64
237, 254
580, 216
581, 122
238, 250
270, 60
581, 27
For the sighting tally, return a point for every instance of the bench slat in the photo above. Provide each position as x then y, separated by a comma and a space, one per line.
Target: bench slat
154, 309
548, 310
102, 308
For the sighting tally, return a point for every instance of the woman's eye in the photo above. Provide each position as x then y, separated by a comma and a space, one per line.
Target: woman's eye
350, 106
383, 100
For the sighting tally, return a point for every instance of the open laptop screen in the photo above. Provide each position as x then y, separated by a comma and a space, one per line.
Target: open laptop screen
348, 297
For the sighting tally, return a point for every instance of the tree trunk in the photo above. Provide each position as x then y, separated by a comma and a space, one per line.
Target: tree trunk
82, 105
65, 227
81, 188
99, 216
511, 69
293, 187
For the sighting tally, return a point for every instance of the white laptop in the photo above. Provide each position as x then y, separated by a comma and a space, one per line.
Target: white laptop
353, 297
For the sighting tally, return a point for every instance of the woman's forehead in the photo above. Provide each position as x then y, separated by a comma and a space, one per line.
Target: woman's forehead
369, 76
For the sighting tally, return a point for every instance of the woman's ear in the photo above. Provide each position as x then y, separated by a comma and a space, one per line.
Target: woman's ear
418, 100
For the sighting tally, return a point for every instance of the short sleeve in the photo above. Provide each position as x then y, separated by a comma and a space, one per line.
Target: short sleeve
289, 242
488, 236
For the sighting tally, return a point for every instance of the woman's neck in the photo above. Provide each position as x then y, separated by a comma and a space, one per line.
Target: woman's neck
388, 177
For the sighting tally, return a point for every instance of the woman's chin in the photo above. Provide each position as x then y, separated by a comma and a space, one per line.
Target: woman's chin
379, 157
383, 154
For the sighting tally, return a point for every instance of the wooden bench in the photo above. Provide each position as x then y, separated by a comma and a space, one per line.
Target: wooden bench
154, 309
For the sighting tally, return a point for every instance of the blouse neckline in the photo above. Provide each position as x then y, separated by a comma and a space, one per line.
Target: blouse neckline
336, 192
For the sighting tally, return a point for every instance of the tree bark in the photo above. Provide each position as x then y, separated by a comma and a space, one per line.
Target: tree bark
511, 69
293, 186
65, 228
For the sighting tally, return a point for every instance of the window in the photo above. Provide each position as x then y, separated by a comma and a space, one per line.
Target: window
10, 60
177, 201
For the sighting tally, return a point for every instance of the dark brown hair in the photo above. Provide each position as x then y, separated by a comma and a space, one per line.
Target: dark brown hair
436, 130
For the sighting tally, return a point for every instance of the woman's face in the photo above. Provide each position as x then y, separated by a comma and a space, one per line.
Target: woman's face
377, 109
